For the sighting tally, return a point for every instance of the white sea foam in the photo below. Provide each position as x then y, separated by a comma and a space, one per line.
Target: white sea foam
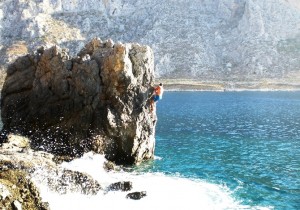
157, 158
163, 191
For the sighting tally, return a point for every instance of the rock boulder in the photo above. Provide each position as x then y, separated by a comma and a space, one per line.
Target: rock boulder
17, 191
23, 171
122, 186
97, 101
136, 195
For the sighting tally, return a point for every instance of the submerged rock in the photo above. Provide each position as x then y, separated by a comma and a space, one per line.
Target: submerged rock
110, 166
136, 195
121, 186
66, 181
97, 101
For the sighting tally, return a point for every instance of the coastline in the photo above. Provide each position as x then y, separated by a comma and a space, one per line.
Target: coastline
225, 86
217, 85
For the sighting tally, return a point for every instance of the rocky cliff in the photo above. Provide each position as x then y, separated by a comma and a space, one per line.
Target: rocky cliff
221, 40
97, 101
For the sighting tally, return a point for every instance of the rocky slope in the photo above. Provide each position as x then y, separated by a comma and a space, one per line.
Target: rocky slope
221, 40
17, 161
23, 172
97, 101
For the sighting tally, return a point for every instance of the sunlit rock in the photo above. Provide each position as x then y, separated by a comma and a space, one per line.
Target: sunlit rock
17, 191
17, 163
194, 39
97, 101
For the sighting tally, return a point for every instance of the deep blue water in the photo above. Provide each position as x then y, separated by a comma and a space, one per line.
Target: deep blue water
248, 141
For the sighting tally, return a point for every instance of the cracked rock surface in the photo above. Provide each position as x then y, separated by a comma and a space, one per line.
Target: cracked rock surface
96, 101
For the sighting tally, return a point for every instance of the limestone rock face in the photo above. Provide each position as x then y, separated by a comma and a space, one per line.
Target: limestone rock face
233, 40
98, 100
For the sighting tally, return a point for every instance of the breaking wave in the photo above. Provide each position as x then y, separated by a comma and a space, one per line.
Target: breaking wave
163, 191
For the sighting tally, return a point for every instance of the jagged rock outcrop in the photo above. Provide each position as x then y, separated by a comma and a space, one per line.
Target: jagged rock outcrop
97, 101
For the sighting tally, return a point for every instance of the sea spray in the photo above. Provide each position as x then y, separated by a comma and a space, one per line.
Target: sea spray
163, 191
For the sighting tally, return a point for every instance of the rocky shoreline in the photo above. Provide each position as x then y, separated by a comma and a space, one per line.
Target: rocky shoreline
17, 162
197, 85
221, 86
55, 108
20, 166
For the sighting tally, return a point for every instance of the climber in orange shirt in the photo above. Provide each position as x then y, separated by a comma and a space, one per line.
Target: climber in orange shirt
157, 95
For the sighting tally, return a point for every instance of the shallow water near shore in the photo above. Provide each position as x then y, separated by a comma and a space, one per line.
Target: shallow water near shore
214, 150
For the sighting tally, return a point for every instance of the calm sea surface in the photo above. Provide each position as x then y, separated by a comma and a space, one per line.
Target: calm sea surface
246, 141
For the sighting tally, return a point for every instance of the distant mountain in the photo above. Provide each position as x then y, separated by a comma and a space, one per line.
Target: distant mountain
219, 40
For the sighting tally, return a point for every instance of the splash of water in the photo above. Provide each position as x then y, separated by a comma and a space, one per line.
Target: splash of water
163, 191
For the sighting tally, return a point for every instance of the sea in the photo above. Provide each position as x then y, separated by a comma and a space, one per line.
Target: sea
214, 151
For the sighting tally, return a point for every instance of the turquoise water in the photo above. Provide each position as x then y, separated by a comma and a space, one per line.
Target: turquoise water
247, 141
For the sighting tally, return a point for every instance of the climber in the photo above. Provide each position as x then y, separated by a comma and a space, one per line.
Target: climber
157, 95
